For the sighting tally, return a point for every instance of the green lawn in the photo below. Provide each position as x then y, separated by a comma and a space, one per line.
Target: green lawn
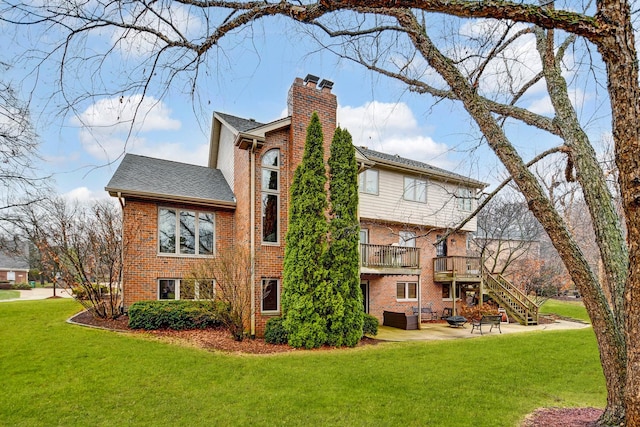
572, 309
9, 294
54, 373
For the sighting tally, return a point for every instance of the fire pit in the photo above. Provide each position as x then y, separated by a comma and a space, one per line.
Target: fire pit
456, 321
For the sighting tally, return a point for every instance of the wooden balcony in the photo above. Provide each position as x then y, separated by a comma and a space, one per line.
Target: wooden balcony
458, 268
389, 259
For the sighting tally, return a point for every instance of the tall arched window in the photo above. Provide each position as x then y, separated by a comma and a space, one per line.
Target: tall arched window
271, 196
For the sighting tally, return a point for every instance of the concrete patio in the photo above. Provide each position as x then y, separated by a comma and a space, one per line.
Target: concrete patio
442, 331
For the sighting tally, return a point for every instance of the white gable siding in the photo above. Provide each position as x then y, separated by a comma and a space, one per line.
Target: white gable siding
441, 209
225, 155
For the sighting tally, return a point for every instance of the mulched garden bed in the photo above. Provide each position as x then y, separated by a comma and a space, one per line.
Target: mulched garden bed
563, 417
208, 339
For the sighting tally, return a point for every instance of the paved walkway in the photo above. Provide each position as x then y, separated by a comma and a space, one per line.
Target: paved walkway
39, 293
442, 331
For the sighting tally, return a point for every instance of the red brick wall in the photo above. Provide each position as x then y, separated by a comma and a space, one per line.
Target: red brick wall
304, 99
143, 265
270, 256
21, 276
382, 289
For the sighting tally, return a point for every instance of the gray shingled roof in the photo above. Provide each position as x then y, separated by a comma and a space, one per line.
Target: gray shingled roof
240, 124
13, 262
402, 161
246, 125
147, 176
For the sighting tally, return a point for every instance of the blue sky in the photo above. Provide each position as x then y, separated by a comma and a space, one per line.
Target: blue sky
250, 77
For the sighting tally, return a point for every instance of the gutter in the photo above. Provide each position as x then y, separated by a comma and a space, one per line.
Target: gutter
224, 204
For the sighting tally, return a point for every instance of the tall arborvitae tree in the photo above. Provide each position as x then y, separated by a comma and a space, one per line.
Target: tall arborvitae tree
344, 320
304, 273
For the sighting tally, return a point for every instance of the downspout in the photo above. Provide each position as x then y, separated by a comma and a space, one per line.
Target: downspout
252, 238
121, 275
419, 301
481, 291
120, 199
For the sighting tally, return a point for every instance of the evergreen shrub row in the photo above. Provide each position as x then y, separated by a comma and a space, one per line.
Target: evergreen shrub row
176, 315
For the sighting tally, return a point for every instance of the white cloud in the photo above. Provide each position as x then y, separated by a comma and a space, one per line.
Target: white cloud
391, 128
119, 113
519, 62
543, 105
176, 152
85, 195
114, 125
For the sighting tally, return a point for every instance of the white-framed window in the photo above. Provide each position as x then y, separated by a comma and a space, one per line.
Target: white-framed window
368, 181
415, 189
465, 199
271, 196
364, 236
270, 296
407, 291
186, 232
407, 239
171, 289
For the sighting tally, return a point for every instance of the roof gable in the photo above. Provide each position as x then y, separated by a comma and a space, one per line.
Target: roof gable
159, 179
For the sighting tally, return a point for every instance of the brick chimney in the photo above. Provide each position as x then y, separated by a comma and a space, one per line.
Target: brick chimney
305, 97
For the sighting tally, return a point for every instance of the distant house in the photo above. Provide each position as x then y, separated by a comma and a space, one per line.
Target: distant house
177, 214
14, 267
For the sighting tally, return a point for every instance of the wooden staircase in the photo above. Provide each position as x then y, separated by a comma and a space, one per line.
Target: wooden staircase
517, 304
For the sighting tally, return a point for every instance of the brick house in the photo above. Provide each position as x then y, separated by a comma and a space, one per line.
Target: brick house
14, 267
242, 196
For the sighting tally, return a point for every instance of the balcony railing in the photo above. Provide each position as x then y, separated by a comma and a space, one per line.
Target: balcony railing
460, 267
386, 256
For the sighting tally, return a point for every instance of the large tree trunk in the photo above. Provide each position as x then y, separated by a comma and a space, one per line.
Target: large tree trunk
620, 57
610, 341
609, 236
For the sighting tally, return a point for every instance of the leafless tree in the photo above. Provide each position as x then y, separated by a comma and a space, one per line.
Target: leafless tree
19, 184
506, 233
231, 271
83, 245
397, 39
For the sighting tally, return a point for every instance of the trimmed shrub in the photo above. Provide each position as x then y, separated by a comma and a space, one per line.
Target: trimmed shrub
274, 331
21, 286
370, 326
176, 315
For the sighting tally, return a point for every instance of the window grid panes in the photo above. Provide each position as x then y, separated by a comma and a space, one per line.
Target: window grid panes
194, 232
465, 198
407, 291
270, 196
186, 289
415, 189
368, 181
